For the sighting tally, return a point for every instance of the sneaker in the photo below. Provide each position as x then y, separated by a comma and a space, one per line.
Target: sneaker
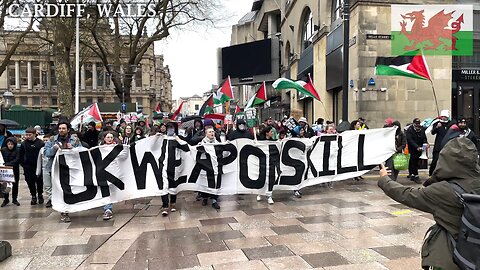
164, 211
107, 215
64, 217
270, 200
33, 201
5, 202
259, 198
40, 200
16, 203
48, 204
417, 179
216, 205
173, 208
204, 202
297, 194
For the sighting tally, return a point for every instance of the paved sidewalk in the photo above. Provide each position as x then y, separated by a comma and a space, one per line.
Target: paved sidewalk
351, 226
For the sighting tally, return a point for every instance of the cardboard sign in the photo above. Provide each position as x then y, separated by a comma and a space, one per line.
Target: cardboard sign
251, 116
6, 174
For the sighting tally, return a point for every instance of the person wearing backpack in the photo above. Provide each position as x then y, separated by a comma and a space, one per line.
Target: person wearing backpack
457, 164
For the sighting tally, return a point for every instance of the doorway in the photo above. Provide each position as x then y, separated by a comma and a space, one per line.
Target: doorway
466, 104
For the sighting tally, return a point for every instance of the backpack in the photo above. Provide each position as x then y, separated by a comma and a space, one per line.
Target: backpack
466, 249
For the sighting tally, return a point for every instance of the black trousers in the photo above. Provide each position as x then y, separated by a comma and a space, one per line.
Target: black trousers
413, 165
35, 183
208, 195
436, 154
165, 201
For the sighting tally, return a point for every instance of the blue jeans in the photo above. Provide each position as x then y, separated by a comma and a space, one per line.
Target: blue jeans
108, 207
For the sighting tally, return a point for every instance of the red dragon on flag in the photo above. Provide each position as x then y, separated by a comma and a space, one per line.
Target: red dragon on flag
436, 29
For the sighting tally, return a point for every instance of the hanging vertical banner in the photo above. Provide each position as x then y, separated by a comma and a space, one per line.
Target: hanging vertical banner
87, 178
435, 29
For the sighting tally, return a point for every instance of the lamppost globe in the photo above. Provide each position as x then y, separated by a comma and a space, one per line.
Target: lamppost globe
9, 99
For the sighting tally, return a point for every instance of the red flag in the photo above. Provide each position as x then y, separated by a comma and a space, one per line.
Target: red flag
95, 112
226, 90
158, 109
177, 111
237, 109
309, 86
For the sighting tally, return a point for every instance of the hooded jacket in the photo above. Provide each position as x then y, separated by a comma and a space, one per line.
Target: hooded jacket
238, 133
11, 157
458, 163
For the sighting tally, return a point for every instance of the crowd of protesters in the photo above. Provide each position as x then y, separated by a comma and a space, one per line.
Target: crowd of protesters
36, 156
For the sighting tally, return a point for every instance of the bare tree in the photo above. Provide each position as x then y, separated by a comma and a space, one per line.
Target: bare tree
10, 44
132, 36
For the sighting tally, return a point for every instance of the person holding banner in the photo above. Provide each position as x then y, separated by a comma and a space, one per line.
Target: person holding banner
172, 129
241, 132
209, 139
63, 140
11, 158
108, 139
266, 135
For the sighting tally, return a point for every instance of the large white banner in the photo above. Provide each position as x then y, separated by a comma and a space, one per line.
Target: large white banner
87, 178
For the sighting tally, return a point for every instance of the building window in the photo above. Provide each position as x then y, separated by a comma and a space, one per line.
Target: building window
140, 101
88, 75
23, 73
36, 73
54, 101
24, 101
89, 100
11, 73
53, 77
36, 101
100, 100
100, 75
337, 9
307, 29
138, 77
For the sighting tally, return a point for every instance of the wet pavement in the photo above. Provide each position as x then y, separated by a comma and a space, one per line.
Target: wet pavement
351, 226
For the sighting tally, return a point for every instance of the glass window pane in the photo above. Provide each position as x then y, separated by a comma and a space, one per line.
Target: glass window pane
36, 73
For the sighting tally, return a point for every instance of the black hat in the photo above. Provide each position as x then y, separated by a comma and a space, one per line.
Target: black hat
92, 124
462, 119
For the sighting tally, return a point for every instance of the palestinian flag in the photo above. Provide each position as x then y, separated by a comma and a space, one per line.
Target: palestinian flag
224, 93
177, 112
284, 84
158, 109
207, 107
237, 109
87, 115
309, 86
259, 98
407, 66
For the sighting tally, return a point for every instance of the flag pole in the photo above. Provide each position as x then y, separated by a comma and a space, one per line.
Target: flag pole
435, 97
325, 108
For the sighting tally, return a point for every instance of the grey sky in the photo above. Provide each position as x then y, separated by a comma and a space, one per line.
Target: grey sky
192, 56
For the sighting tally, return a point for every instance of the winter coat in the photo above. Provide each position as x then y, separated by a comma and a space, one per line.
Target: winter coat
50, 151
91, 137
415, 139
11, 157
400, 141
458, 163
29, 151
239, 134
440, 132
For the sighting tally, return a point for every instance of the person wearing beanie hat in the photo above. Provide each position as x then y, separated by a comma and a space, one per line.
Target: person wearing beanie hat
29, 150
91, 135
440, 130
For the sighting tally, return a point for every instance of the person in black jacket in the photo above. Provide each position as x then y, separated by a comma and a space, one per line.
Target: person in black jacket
416, 137
11, 158
241, 132
440, 129
467, 132
91, 135
29, 150
4, 134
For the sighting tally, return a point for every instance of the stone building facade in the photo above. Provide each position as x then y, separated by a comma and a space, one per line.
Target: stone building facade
311, 39
30, 76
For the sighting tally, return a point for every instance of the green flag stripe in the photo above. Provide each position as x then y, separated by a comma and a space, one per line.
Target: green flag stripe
391, 71
283, 84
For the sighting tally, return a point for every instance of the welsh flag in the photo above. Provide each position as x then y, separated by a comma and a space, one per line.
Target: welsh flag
259, 98
310, 87
437, 29
284, 84
207, 106
224, 93
407, 66
87, 115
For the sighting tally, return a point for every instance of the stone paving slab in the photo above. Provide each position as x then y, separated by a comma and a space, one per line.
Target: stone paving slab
351, 226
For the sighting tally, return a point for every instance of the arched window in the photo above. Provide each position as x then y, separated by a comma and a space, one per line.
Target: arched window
337, 10
307, 29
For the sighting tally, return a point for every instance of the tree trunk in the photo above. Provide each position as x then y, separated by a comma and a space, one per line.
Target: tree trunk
63, 38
